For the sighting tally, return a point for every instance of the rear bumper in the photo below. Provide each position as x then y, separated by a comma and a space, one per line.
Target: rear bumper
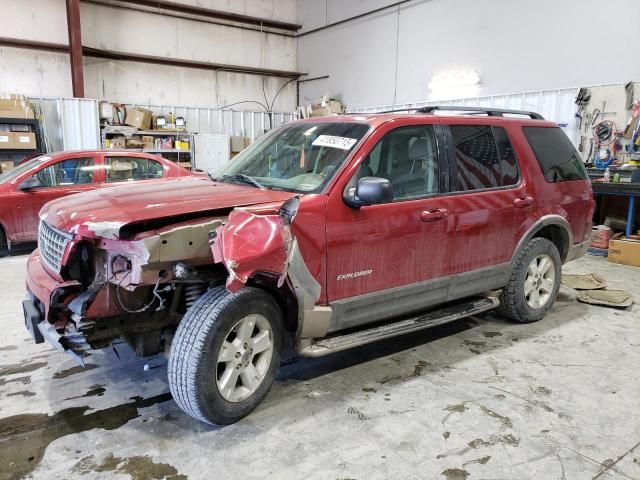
577, 250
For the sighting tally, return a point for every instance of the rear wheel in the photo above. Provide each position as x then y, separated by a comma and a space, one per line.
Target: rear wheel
4, 246
225, 354
534, 282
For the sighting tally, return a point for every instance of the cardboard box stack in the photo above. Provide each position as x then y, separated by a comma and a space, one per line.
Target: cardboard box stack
625, 251
15, 106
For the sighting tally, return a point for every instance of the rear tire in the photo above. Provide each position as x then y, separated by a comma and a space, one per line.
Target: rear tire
534, 282
4, 245
225, 354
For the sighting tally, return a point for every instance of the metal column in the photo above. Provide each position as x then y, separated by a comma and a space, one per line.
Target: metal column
75, 47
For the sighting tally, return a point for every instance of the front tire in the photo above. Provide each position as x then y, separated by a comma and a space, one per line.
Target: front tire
225, 354
4, 245
534, 282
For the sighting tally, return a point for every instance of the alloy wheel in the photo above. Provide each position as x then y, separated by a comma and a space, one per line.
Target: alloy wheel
244, 358
540, 281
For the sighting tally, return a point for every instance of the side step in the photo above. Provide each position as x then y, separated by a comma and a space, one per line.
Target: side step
473, 306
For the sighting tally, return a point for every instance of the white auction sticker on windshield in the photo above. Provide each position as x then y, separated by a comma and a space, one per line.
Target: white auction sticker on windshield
342, 143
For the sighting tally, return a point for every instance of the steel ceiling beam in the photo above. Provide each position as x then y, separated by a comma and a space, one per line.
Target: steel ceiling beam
75, 48
218, 14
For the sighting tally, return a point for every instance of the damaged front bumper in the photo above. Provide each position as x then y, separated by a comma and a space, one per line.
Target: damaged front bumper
42, 291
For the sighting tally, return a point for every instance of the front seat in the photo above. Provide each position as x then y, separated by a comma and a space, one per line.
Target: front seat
408, 176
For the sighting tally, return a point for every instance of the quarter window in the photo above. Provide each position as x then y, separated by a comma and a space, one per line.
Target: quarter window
408, 158
558, 158
130, 169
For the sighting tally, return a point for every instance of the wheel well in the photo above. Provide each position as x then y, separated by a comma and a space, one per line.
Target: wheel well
3, 236
283, 295
558, 236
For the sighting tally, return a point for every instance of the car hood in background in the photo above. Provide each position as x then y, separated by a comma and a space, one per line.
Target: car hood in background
103, 212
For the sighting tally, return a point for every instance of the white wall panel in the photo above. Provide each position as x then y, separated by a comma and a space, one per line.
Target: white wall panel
513, 45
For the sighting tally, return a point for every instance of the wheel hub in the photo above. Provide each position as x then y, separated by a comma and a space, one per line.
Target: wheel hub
540, 281
244, 358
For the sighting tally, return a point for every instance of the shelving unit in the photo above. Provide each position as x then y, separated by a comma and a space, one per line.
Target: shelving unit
35, 128
178, 155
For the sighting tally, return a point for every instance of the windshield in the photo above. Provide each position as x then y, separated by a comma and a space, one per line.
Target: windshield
20, 169
300, 157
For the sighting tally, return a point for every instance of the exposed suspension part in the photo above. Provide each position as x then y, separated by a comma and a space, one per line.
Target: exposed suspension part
193, 291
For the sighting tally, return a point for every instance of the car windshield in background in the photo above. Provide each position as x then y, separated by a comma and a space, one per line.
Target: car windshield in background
20, 169
301, 157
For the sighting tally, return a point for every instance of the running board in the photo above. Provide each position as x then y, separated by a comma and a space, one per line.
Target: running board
325, 346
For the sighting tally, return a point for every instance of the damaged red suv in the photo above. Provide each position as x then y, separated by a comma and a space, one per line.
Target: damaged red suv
335, 231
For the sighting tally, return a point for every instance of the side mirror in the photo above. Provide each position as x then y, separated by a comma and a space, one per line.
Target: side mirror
369, 191
30, 183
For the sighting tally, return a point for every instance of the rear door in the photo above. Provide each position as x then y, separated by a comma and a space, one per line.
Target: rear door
59, 179
487, 191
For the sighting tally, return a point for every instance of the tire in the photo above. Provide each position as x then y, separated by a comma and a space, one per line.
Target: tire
4, 246
518, 298
202, 384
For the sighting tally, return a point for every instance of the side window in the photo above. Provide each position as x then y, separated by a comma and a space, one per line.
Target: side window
558, 158
74, 171
509, 174
408, 158
477, 161
130, 169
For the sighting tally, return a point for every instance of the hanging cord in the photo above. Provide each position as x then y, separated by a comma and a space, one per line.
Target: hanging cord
156, 294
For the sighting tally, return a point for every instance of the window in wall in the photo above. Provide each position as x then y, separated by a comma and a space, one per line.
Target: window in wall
74, 171
558, 158
130, 169
407, 157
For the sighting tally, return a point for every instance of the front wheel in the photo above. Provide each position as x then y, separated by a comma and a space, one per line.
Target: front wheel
534, 282
225, 354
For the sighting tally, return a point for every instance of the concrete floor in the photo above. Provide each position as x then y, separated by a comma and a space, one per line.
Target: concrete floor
476, 399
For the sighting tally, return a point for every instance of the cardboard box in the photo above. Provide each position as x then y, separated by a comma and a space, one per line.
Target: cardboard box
6, 140
329, 107
17, 112
239, 143
148, 142
24, 140
7, 165
626, 252
139, 118
133, 142
118, 143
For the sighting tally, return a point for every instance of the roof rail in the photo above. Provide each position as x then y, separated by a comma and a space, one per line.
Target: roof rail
492, 112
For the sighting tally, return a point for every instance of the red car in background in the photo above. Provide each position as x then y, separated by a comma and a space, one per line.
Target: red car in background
25, 189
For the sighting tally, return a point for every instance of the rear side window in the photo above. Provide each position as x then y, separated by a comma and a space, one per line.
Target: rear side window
558, 158
484, 157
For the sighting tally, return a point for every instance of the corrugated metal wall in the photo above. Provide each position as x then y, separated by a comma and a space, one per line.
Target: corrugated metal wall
556, 105
227, 122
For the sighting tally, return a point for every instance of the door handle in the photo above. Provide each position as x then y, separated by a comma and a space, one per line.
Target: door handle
523, 202
433, 215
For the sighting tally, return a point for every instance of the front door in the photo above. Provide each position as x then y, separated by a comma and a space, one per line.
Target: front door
375, 252
65, 177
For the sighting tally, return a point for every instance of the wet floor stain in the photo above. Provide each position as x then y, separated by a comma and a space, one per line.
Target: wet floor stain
481, 460
359, 415
22, 367
446, 435
418, 370
137, 467
541, 390
74, 370
491, 334
21, 393
506, 421
455, 474
25, 437
369, 390
94, 391
475, 344
6, 348
25, 380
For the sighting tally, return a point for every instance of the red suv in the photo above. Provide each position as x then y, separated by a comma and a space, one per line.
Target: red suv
335, 231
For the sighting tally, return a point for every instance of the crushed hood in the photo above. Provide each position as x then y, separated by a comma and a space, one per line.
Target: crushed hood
103, 212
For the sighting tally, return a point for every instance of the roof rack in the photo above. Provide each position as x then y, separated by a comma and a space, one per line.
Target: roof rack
492, 112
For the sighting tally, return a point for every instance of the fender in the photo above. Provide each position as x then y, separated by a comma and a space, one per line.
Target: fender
250, 244
542, 222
